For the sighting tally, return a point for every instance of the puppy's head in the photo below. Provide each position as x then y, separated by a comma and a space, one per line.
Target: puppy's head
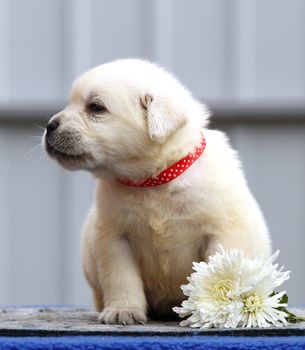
120, 112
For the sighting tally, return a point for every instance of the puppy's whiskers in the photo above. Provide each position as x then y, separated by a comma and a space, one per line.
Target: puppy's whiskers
33, 136
37, 148
39, 126
36, 152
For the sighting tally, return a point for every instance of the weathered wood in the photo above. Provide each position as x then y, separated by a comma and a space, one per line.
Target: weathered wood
80, 321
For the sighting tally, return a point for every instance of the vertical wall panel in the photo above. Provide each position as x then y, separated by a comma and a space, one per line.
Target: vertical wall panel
116, 30
279, 176
79, 39
163, 28
33, 221
5, 214
82, 186
199, 42
241, 86
43, 208
5, 51
36, 51
280, 51
273, 160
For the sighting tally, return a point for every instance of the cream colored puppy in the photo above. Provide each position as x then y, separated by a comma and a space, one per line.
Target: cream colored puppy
130, 120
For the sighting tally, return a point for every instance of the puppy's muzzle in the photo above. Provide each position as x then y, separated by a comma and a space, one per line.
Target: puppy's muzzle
49, 135
64, 145
52, 126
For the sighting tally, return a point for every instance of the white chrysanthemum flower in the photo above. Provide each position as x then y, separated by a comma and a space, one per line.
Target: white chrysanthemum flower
232, 290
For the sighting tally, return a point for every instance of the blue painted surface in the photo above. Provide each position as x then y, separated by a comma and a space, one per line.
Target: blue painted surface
156, 343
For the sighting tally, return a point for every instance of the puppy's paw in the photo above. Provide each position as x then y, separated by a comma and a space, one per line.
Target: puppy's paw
124, 316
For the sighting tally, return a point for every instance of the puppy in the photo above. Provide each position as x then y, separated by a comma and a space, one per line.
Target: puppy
168, 189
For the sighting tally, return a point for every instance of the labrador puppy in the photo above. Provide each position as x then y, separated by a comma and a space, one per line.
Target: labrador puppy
168, 189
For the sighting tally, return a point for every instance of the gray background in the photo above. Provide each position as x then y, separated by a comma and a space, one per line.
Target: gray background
245, 58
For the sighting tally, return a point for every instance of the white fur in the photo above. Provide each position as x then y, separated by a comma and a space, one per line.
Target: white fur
139, 243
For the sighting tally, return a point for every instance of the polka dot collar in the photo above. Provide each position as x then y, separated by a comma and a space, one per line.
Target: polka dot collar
172, 172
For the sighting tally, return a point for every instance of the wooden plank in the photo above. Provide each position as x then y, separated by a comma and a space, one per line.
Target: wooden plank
81, 321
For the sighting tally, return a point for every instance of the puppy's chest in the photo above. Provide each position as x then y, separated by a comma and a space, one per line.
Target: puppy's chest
164, 234
163, 219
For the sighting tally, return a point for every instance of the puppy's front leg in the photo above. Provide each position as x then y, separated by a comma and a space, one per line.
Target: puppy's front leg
120, 280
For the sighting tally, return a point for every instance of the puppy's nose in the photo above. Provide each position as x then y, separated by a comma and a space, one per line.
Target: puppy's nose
53, 125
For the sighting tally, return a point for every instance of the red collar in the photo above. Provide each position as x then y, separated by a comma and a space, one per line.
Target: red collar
172, 172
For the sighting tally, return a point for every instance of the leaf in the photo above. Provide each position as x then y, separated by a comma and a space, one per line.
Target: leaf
292, 318
284, 299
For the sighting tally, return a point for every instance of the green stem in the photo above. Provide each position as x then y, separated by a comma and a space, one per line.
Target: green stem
292, 318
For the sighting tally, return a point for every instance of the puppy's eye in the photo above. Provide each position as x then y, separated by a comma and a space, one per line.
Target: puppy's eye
95, 107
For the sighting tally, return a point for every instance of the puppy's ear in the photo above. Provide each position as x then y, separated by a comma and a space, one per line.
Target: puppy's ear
163, 118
